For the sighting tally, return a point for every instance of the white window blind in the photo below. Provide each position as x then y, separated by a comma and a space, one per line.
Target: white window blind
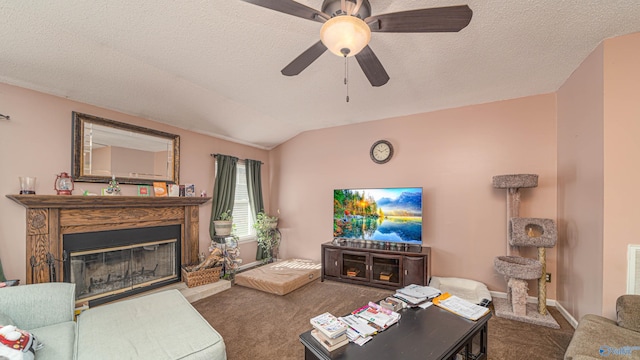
241, 210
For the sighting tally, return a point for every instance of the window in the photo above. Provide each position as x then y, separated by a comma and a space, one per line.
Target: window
242, 218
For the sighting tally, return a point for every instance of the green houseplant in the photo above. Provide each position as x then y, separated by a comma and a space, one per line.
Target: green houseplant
267, 235
223, 224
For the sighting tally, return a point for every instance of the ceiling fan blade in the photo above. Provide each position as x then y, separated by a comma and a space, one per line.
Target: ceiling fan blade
443, 19
292, 8
305, 59
372, 67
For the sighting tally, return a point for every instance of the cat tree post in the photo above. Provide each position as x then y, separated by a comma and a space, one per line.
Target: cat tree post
513, 210
542, 281
513, 183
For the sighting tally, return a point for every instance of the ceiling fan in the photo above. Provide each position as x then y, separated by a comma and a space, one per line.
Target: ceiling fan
347, 27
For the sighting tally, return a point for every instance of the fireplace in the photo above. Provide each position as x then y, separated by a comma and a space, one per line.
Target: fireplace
108, 265
56, 224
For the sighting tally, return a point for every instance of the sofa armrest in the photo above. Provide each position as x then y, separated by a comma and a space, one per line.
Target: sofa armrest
38, 305
628, 312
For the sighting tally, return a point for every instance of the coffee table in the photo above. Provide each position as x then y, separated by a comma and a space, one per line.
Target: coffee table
425, 334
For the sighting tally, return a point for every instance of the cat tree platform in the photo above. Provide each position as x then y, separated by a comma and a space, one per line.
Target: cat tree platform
518, 267
515, 181
533, 232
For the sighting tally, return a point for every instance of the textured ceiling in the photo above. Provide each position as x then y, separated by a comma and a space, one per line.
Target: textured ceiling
214, 66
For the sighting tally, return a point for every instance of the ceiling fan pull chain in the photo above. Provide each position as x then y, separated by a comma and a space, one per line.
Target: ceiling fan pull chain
346, 76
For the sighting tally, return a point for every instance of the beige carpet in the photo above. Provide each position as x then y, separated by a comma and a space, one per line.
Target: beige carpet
259, 325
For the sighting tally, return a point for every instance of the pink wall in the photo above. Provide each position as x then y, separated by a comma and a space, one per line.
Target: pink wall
453, 154
598, 157
621, 162
580, 188
37, 142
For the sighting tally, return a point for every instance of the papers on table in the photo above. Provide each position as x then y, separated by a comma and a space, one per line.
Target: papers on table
460, 306
367, 321
359, 325
377, 316
414, 295
418, 291
425, 304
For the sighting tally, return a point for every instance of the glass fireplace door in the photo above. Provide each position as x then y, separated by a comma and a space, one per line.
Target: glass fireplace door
109, 271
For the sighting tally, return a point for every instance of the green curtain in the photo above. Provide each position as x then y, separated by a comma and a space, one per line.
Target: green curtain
2, 278
254, 187
224, 189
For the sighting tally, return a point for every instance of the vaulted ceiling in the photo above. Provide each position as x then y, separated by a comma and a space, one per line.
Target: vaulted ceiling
214, 66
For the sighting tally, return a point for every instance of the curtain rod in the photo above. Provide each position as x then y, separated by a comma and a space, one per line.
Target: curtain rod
214, 155
6, 117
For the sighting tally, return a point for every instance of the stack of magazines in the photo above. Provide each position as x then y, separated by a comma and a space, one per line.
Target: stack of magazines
368, 320
415, 295
330, 331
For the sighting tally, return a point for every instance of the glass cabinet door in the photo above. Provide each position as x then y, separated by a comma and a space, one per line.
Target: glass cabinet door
386, 269
355, 265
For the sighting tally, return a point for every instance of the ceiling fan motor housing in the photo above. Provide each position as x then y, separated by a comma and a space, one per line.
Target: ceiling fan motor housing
334, 8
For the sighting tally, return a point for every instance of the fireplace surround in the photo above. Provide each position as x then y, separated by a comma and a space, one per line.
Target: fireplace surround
49, 218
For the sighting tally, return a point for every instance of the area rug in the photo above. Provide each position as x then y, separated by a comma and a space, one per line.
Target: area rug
503, 309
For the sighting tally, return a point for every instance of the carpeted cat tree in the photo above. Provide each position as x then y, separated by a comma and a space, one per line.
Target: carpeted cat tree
524, 232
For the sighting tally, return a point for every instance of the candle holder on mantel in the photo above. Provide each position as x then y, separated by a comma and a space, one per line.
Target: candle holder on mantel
27, 185
63, 184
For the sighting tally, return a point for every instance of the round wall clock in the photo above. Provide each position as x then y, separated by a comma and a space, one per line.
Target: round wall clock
381, 151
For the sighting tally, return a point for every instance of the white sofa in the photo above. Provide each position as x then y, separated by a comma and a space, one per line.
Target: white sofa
158, 326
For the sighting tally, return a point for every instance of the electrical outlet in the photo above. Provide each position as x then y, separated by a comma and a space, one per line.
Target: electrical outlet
548, 277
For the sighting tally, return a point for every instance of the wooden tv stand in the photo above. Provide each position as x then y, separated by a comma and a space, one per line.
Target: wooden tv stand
376, 264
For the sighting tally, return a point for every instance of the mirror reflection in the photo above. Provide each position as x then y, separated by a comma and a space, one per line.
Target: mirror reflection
134, 155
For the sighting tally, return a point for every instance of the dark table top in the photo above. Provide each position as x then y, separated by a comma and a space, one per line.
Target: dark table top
426, 334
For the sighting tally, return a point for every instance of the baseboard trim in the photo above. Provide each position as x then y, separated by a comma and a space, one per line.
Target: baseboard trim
249, 265
550, 302
566, 315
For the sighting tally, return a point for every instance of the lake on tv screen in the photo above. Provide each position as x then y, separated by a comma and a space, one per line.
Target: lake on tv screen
393, 215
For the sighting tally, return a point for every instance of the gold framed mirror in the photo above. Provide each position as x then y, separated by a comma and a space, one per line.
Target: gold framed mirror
104, 148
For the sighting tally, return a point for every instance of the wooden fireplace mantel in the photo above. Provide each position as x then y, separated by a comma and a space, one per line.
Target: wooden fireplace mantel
49, 217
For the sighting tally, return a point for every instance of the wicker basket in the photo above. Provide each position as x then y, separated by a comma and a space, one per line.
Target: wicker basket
200, 277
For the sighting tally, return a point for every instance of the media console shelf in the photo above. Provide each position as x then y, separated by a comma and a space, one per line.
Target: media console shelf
388, 269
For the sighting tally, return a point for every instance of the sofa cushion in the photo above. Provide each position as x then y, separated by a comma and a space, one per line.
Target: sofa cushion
628, 312
58, 340
596, 336
6, 319
158, 326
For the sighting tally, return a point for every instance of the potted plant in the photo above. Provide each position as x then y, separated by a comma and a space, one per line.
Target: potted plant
223, 224
266, 233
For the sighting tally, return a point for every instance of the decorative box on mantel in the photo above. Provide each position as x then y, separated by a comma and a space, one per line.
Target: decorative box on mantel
50, 217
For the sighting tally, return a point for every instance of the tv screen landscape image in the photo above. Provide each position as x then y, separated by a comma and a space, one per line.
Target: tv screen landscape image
391, 215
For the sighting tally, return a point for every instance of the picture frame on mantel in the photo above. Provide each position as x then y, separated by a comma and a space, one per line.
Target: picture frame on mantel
144, 190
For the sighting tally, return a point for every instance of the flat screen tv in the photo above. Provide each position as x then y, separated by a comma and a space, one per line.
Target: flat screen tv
385, 215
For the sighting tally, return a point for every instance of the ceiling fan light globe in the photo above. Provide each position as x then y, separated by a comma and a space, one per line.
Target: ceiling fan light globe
345, 32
